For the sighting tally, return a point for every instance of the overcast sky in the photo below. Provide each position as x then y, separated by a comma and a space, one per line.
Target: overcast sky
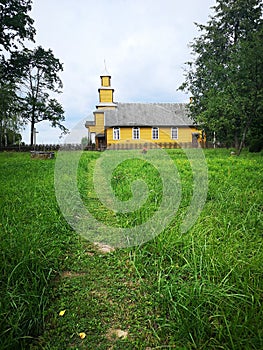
144, 42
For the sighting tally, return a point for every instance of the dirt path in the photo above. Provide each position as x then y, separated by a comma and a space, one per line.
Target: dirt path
100, 303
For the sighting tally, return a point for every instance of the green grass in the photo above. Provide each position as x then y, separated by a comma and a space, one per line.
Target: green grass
34, 242
198, 290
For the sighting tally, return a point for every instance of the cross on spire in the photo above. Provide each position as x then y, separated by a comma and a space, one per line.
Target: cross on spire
105, 68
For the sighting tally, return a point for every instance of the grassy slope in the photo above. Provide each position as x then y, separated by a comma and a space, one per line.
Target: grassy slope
34, 241
198, 290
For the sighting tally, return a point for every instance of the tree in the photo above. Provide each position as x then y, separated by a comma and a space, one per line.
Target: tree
15, 24
84, 142
37, 71
9, 121
9, 105
225, 78
10, 137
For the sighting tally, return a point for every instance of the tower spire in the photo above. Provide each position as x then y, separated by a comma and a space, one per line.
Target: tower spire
105, 72
105, 67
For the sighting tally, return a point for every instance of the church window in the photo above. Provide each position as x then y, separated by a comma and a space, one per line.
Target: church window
155, 133
136, 133
116, 133
174, 133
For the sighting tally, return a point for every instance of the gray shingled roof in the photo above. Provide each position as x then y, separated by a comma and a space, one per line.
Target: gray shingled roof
150, 114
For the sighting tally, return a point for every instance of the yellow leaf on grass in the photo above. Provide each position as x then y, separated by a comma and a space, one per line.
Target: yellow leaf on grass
62, 312
82, 335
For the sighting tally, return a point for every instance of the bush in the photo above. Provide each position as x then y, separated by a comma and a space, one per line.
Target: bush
256, 145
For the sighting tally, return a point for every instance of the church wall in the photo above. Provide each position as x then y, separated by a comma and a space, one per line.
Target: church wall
99, 123
106, 95
184, 135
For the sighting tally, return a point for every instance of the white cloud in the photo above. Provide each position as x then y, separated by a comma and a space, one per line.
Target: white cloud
144, 44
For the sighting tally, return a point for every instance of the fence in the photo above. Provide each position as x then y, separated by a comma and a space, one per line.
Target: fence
41, 148
115, 146
150, 145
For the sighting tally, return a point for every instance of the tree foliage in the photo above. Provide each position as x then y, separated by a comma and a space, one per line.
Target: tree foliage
225, 77
37, 72
9, 105
9, 121
28, 78
15, 23
15, 26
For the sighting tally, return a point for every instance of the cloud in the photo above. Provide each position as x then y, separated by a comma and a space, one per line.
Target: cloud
145, 44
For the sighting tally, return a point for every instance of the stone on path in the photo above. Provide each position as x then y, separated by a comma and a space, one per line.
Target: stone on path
104, 248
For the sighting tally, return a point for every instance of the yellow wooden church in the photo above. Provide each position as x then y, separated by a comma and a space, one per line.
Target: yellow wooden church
126, 125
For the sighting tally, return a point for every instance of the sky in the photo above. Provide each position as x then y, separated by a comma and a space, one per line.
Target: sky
144, 43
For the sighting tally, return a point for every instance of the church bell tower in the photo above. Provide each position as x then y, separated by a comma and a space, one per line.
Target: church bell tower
106, 92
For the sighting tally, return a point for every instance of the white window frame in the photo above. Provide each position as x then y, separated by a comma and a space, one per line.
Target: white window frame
154, 131
116, 133
136, 133
93, 137
174, 133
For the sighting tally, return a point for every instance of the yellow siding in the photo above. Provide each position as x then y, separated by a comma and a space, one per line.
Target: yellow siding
105, 81
106, 95
98, 128
184, 135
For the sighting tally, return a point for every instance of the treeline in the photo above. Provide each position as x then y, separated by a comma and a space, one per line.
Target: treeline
225, 77
27, 77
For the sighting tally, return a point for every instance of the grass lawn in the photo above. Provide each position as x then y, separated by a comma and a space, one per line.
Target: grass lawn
197, 290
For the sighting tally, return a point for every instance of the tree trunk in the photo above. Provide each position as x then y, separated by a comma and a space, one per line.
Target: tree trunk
32, 132
236, 141
243, 138
1, 134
